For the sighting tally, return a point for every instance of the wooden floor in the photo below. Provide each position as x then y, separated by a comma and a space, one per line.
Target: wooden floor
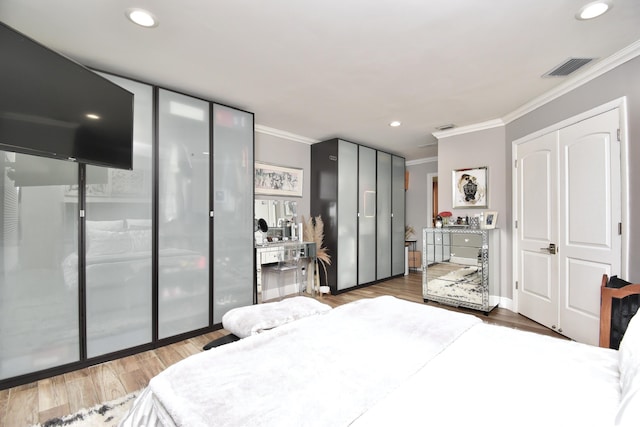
64, 394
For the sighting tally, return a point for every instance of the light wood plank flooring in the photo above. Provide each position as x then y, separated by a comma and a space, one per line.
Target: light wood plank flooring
64, 394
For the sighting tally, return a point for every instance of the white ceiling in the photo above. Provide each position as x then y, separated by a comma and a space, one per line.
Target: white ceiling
326, 68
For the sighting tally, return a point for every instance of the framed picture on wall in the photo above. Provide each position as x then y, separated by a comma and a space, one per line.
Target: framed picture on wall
470, 188
278, 180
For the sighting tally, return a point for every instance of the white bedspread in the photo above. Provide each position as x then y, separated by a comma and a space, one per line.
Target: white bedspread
287, 376
495, 376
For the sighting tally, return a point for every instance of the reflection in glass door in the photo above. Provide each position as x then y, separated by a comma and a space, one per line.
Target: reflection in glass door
118, 239
38, 263
233, 206
183, 214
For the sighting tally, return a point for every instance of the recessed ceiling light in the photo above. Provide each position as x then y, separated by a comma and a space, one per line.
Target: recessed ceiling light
142, 17
593, 9
92, 116
395, 124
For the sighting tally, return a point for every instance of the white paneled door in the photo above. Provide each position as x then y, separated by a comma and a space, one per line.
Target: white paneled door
568, 210
537, 165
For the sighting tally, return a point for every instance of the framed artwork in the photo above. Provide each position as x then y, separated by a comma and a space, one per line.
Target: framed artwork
490, 218
278, 180
470, 188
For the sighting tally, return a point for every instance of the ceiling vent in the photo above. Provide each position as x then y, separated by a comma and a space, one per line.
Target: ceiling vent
445, 127
569, 66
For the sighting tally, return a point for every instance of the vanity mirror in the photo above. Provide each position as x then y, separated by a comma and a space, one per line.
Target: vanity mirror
277, 213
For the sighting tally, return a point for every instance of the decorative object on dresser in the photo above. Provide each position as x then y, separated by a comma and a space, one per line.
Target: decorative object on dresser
461, 267
489, 220
278, 180
470, 188
445, 218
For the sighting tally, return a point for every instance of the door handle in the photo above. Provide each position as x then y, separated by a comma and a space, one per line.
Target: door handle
552, 249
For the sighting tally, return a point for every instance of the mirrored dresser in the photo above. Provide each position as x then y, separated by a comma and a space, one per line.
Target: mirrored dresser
461, 267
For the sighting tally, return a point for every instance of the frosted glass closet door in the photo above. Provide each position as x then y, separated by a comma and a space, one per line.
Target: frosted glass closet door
366, 215
347, 215
383, 248
38, 264
233, 267
118, 238
183, 214
398, 222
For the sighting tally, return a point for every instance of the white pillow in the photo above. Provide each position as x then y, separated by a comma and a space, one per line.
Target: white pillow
138, 224
630, 354
101, 242
629, 408
629, 364
254, 319
115, 225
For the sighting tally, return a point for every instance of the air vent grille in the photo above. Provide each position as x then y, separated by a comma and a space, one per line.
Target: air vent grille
569, 66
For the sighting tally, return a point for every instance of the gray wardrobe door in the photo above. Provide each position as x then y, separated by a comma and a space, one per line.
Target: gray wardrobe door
118, 226
383, 248
38, 264
398, 210
347, 276
183, 214
366, 215
233, 188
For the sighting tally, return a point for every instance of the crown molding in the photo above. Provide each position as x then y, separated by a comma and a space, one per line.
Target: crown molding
490, 124
624, 55
284, 134
421, 161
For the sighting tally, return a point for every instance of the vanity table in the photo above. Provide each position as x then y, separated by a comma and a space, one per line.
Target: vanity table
461, 267
281, 268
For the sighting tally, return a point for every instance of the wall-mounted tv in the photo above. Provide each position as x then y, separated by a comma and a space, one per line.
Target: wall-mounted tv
52, 106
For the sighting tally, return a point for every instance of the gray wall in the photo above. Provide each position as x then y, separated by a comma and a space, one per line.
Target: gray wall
483, 148
284, 152
621, 81
493, 148
417, 212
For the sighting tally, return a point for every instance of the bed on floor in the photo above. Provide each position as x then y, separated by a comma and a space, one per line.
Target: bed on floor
386, 361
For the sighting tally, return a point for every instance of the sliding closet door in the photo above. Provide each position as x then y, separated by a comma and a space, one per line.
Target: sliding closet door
383, 248
398, 222
366, 215
118, 235
38, 264
233, 265
183, 214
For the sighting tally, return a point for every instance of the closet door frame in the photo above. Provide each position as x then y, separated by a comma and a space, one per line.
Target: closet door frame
621, 105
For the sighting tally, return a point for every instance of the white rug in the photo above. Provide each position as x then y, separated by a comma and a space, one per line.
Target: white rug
106, 414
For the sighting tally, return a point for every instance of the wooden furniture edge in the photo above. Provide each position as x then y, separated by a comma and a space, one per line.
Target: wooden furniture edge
606, 295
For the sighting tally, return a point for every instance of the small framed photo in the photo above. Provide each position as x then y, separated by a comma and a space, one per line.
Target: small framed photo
490, 220
470, 188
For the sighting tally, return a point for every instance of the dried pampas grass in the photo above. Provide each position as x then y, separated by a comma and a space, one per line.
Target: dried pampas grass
313, 231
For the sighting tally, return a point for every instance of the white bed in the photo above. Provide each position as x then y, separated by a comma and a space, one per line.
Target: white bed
385, 361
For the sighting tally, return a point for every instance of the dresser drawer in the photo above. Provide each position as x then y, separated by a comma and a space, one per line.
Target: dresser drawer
465, 252
438, 238
472, 240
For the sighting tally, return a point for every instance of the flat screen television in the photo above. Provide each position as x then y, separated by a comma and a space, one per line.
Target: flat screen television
52, 106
